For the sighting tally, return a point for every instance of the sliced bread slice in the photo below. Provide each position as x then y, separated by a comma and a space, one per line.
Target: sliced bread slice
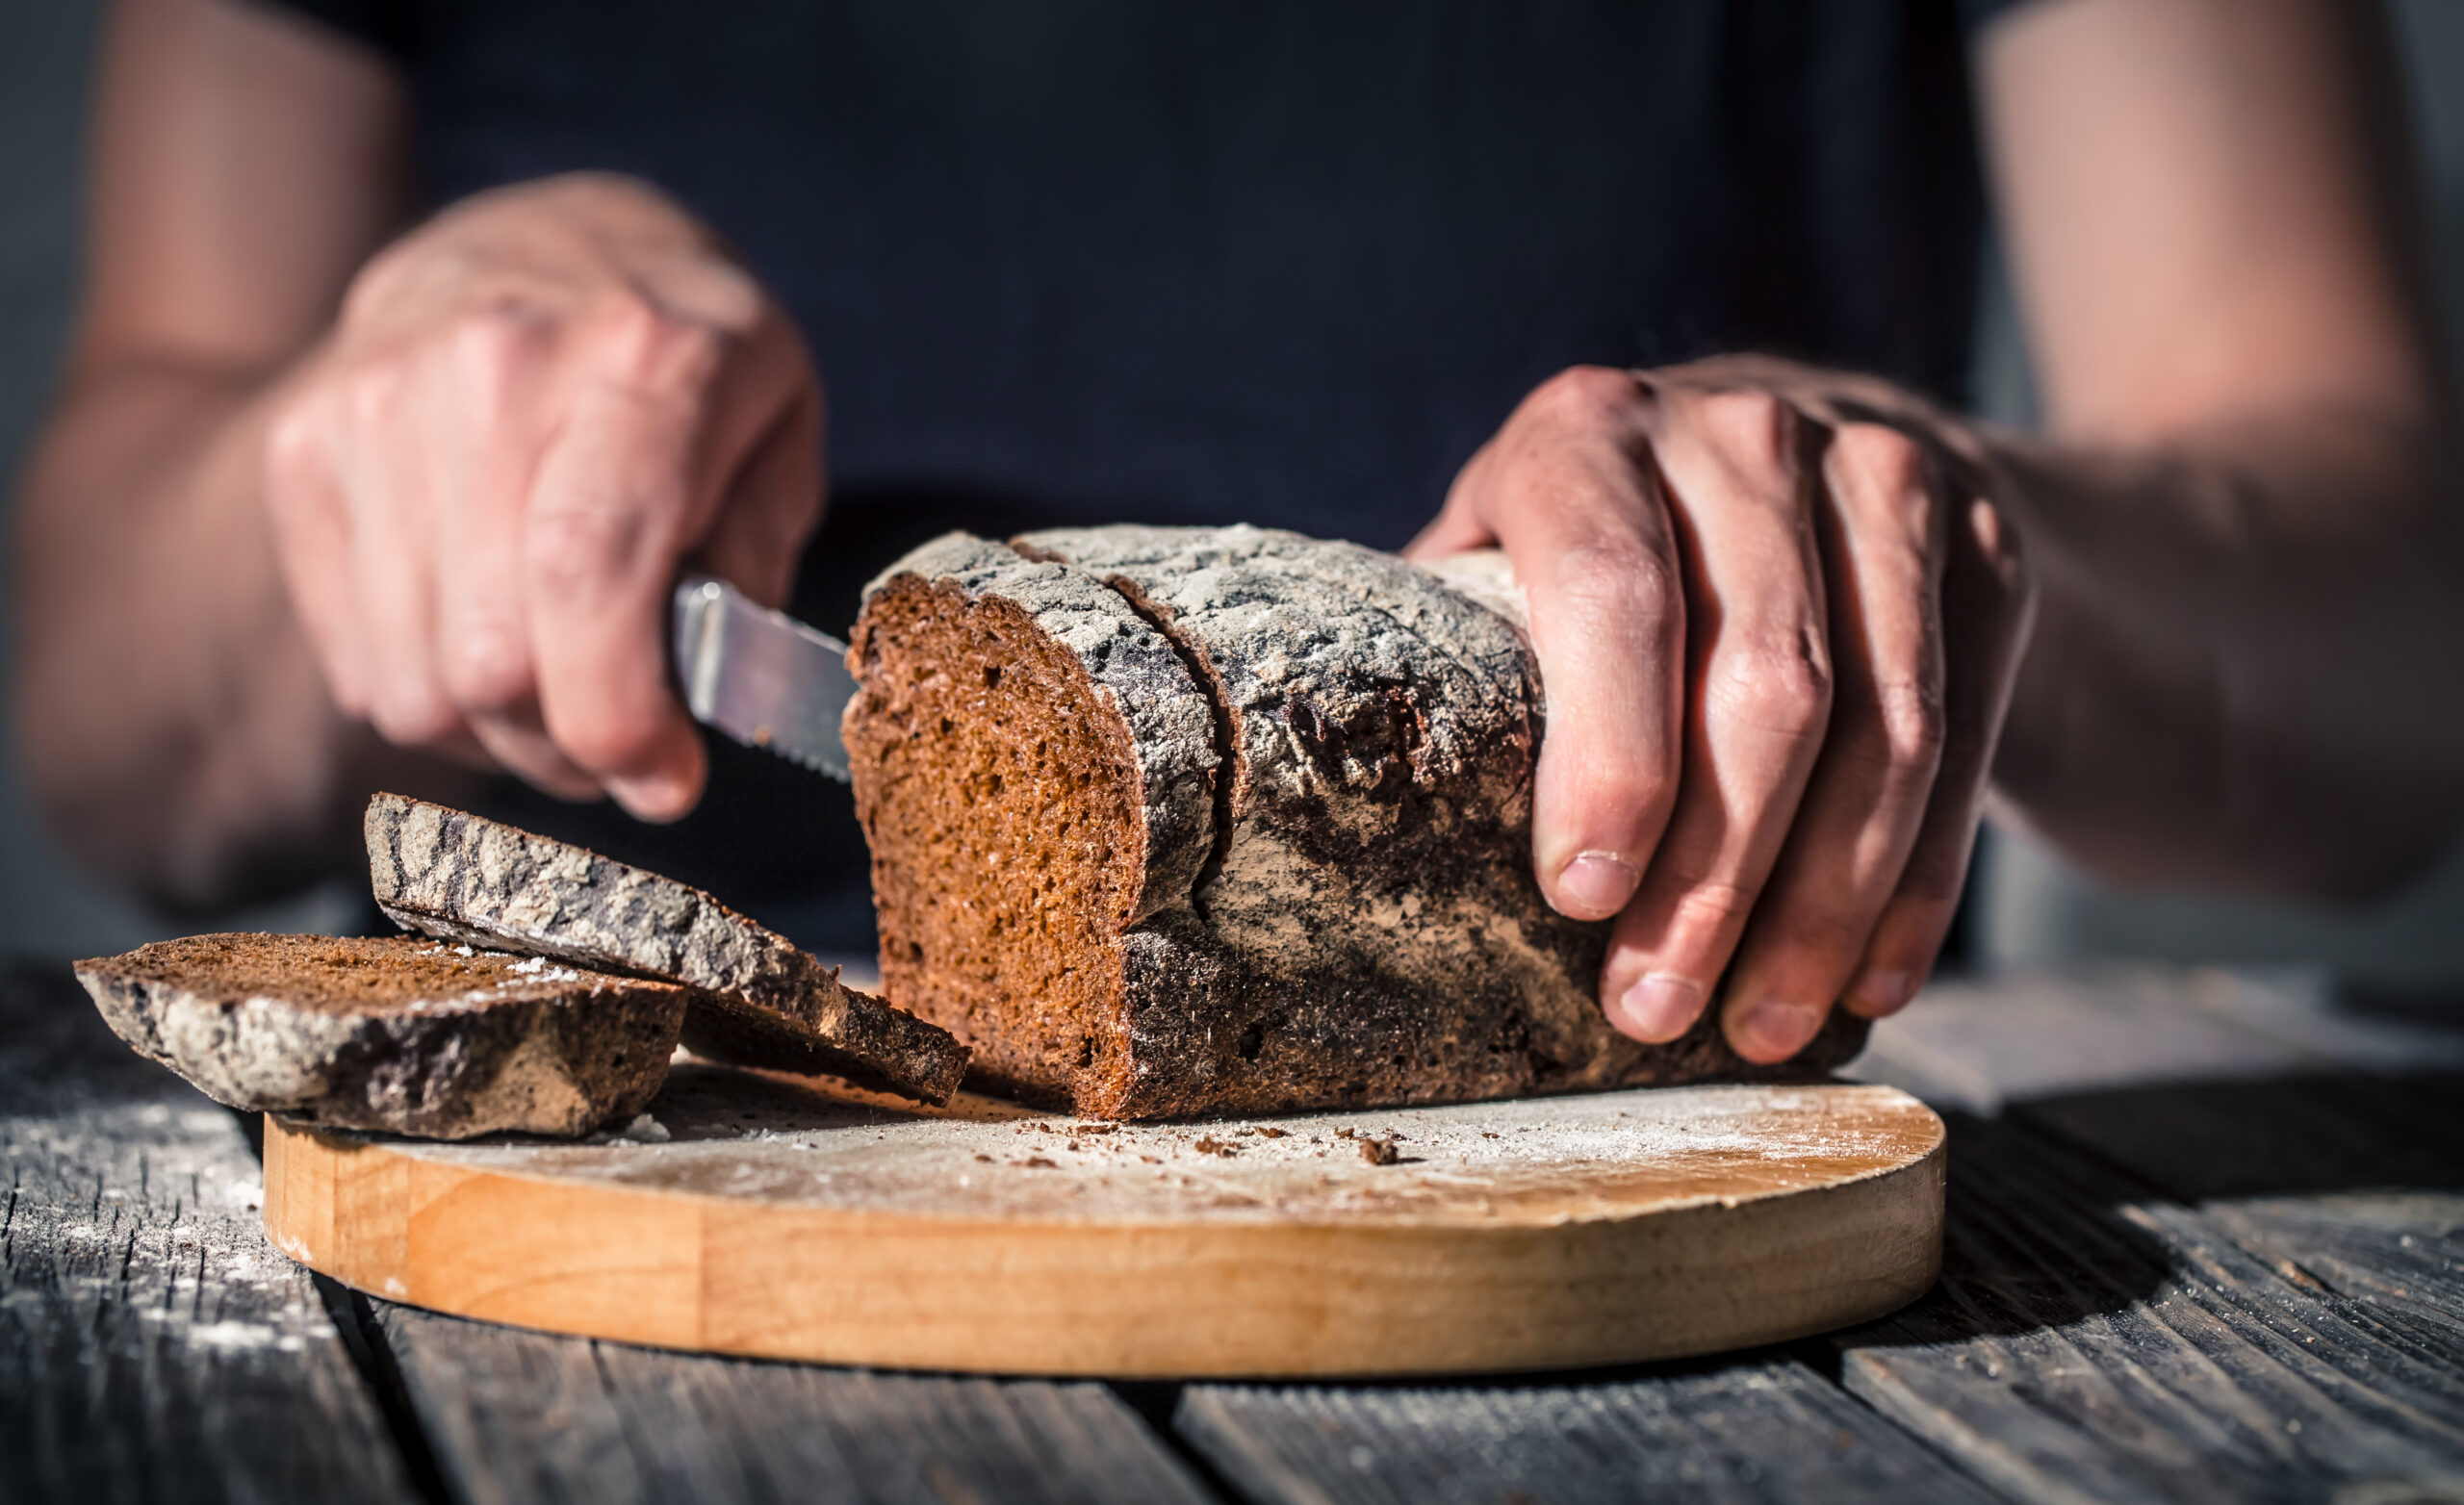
398, 1033
759, 998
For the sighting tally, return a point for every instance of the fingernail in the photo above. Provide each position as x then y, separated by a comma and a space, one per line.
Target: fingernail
1596, 884
1660, 1007
1878, 992
1771, 1031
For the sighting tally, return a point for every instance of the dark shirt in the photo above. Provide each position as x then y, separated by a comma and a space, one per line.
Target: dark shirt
1287, 262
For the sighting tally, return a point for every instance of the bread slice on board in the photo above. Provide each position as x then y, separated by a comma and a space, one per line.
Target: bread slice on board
759, 1000
1178, 821
401, 1033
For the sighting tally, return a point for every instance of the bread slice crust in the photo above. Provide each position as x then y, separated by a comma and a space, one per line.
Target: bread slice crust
756, 998
399, 1034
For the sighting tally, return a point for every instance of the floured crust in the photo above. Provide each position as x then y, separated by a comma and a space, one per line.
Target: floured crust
757, 999
397, 1033
1364, 927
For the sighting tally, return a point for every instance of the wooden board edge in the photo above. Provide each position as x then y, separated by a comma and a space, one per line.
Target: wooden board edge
1228, 1301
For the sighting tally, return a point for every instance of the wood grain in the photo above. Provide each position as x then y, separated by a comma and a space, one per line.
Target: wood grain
1761, 1428
780, 1222
2092, 1341
153, 1345
529, 1418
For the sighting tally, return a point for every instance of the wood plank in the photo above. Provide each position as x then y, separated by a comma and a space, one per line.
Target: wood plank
1759, 1428
2092, 1341
153, 1345
525, 1418
2401, 1253
2350, 1185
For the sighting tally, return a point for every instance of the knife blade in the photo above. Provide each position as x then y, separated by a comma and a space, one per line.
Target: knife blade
760, 676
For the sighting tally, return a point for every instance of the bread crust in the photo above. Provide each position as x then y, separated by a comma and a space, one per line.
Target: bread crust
756, 999
397, 1033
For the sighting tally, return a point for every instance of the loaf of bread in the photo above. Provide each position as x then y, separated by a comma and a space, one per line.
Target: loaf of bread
399, 1034
756, 998
1180, 821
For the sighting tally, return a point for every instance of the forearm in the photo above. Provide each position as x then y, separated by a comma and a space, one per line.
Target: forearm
2244, 671
173, 723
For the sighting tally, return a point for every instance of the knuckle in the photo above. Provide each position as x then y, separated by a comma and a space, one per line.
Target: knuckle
295, 458
1912, 722
372, 397
1887, 460
576, 553
1713, 903
487, 666
1584, 394
495, 342
1997, 543
1784, 688
1755, 427
645, 347
1616, 575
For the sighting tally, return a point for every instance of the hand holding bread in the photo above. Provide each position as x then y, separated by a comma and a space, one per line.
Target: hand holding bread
1779, 623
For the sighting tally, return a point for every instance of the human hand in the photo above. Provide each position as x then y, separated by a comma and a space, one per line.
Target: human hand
1778, 618
530, 413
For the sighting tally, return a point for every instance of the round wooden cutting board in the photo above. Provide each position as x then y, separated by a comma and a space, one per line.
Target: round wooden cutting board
753, 1214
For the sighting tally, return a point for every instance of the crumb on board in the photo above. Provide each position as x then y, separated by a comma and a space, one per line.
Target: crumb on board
1377, 1149
985, 1159
1039, 1162
1211, 1145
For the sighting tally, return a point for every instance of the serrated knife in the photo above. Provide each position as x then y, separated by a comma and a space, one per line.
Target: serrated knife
760, 676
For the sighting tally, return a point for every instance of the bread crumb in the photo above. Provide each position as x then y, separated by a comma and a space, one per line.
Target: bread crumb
985, 1159
1263, 1130
1377, 1151
1039, 1162
644, 1130
1211, 1145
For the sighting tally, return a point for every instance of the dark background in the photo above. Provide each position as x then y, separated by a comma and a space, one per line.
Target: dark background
2033, 909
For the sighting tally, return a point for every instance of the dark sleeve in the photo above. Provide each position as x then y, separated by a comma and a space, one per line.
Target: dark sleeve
382, 26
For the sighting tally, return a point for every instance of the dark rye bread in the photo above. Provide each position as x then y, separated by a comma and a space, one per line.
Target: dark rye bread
757, 999
1181, 821
401, 1033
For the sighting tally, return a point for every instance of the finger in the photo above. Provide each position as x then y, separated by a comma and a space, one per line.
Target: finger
1458, 525
1988, 606
482, 423
387, 486
1758, 699
312, 538
1869, 789
621, 489
1567, 491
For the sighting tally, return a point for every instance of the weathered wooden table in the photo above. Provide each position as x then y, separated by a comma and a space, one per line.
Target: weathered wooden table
2206, 1241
